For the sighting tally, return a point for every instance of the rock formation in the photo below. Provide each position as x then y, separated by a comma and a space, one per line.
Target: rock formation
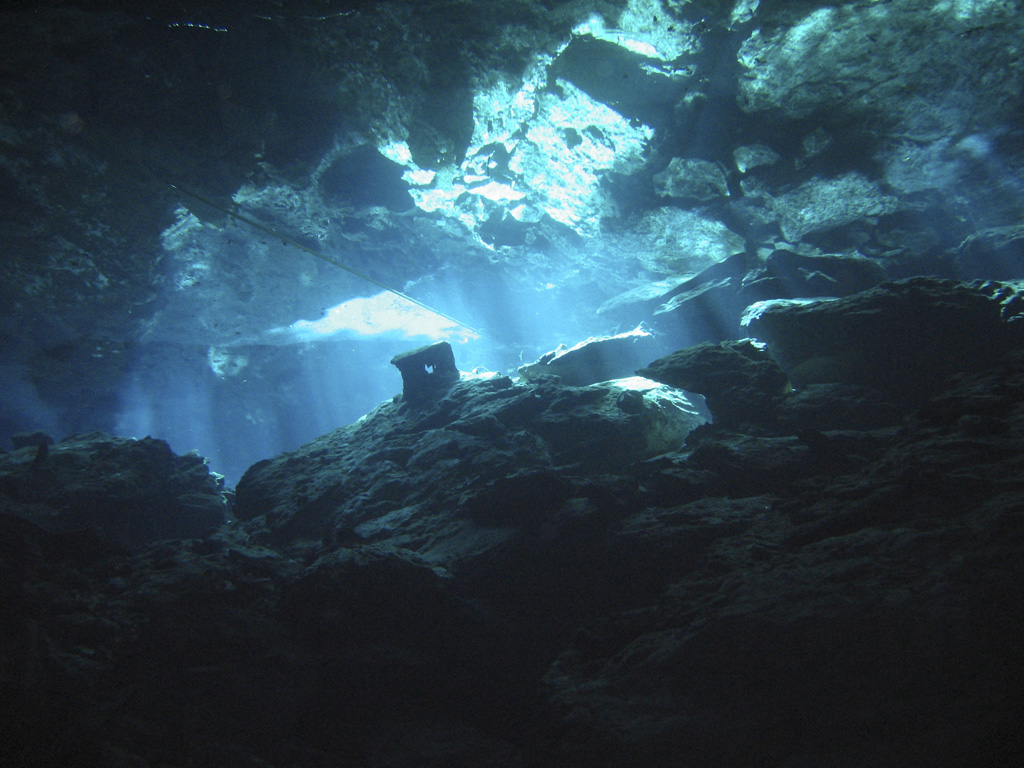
531, 573
220, 221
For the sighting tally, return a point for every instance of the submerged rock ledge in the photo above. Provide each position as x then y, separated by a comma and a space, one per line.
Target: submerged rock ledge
534, 574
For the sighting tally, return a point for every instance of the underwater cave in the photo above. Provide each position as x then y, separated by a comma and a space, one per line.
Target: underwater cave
512, 383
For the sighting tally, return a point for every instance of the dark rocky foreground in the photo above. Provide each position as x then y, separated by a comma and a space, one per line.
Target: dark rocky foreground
534, 574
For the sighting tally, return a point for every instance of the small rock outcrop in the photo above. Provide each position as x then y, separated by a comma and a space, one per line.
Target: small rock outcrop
595, 359
427, 372
740, 382
996, 253
133, 492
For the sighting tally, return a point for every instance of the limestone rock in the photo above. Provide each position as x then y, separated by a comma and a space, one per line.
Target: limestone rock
595, 359
670, 241
686, 604
754, 156
709, 306
996, 254
834, 406
689, 179
823, 275
823, 204
739, 381
415, 465
903, 338
706, 307
30, 439
512, 574
866, 57
133, 492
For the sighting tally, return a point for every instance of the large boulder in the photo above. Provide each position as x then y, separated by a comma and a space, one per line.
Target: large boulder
903, 338
740, 382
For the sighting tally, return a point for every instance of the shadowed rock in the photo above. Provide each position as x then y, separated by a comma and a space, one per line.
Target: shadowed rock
903, 338
740, 383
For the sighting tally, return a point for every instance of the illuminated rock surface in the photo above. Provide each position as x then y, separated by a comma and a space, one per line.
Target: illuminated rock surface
595, 359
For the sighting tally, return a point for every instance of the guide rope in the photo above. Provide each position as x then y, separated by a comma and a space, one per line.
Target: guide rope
234, 214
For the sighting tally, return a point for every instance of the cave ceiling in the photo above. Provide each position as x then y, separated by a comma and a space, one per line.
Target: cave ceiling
221, 178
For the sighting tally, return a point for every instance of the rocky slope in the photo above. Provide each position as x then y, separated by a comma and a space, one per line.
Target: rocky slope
512, 574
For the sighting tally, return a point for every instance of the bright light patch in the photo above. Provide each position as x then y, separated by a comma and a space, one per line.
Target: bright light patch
644, 27
375, 315
225, 363
431, 200
814, 29
637, 46
637, 384
419, 176
499, 193
743, 11
570, 140
967, 9
592, 26
397, 152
